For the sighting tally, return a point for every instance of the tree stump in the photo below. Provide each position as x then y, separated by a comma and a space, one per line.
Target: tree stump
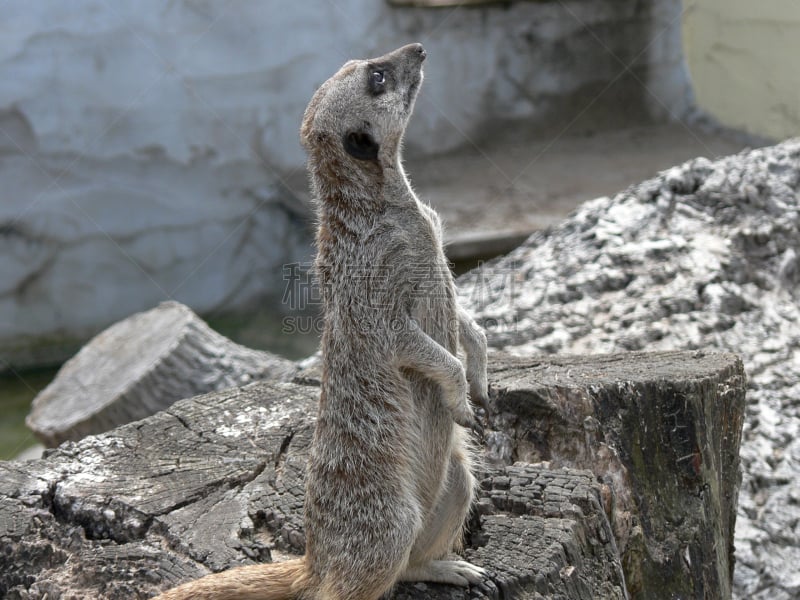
141, 365
660, 431
217, 481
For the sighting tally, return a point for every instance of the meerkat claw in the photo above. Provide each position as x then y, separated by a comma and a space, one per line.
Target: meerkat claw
469, 573
473, 424
477, 429
483, 401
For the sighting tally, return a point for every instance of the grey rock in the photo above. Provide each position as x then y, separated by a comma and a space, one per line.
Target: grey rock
701, 257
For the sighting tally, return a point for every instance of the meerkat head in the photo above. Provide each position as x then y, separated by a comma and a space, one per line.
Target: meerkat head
359, 115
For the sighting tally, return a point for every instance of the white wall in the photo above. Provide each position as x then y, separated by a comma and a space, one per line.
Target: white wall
743, 58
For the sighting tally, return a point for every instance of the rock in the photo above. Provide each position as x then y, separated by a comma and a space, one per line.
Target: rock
142, 365
151, 152
217, 481
701, 257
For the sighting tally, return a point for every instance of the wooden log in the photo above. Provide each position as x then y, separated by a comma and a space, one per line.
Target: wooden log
661, 431
141, 365
217, 481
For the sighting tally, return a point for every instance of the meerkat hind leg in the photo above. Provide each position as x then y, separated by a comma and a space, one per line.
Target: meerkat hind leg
442, 531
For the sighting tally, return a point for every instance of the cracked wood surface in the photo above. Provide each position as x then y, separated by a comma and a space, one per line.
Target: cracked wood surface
141, 365
217, 481
660, 431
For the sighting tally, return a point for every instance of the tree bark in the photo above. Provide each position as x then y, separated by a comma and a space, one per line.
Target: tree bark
661, 432
217, 481
141, 365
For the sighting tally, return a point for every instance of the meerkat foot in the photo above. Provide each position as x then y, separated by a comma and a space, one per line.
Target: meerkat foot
454, 572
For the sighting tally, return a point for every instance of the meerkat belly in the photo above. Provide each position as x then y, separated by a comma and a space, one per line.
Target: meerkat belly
437, 316
434, 439
363, 468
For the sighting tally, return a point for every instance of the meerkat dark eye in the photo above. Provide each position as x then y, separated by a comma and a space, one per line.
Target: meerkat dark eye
377, 81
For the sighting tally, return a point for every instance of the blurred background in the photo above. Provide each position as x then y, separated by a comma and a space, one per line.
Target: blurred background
149, 150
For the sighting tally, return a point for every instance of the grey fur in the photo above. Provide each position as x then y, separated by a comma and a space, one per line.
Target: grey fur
389, 481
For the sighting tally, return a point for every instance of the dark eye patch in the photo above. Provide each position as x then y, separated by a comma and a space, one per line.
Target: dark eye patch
361, 145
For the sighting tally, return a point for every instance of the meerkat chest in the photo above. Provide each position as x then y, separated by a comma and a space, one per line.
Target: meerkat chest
430, 281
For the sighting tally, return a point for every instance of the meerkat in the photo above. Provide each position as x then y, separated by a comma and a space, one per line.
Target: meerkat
389, 482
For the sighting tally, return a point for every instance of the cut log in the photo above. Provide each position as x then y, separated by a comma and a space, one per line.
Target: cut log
661, 431
217, 481
141, 365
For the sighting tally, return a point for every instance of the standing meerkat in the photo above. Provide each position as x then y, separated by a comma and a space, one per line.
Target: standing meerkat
389, 481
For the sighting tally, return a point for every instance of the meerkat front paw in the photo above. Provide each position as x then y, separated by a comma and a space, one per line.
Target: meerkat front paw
479, 393
466, 418
462, 410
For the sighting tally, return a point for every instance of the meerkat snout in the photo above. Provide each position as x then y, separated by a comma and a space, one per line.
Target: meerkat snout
416, 47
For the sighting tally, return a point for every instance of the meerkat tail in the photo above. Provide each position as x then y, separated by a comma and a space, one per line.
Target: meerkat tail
273, 581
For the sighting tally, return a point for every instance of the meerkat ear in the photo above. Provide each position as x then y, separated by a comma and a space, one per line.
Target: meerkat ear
361, 145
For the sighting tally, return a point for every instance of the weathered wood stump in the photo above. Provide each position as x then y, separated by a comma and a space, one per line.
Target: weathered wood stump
661, 432
216, 481
141, 365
